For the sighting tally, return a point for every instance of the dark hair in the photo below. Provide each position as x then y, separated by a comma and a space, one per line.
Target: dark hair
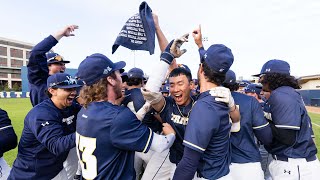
48, 93
231, 86
212, 76
181, 71
275, 80
134, 81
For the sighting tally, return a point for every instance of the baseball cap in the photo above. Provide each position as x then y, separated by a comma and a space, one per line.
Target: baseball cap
218, 57
136, 73
230, 77
184, 66
63, 81
53, 58
124, 76
97, 66
275, 66
165, 88
253, 88
196, 82
244, 83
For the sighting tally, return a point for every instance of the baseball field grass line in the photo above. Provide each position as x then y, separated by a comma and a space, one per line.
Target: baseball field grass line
18, 109
315, 124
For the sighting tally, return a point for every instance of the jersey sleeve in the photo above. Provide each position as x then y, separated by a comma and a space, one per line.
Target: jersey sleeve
37, 67
128, 133
8, 138
137, 99
285, 111
259, 120
49, 132
203, 122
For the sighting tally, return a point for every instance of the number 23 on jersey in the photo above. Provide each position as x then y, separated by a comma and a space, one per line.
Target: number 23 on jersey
88, 161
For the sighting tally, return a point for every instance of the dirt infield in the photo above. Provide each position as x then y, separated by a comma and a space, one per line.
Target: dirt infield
313, 109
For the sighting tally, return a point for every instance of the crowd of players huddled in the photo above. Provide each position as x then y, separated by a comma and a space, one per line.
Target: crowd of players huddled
105, 123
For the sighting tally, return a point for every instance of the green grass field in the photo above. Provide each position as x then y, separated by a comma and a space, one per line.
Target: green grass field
18, 108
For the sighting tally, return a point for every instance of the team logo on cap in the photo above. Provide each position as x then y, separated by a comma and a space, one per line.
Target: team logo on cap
268, 70
106, 71
205, 55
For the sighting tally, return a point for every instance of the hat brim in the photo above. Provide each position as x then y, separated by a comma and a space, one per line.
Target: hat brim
68, 86
119, 66
58, 62
256, 75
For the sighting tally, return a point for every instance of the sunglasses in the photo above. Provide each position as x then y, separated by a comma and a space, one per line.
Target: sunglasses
70, 81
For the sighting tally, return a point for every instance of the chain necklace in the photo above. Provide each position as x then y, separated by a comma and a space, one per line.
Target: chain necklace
193, 102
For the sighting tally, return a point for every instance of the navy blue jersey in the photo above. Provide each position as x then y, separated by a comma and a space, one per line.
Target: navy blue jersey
288, 112
208, 132
243, 144
135, 96
45, 141
38, 71
107, 136
177, 117
8, 138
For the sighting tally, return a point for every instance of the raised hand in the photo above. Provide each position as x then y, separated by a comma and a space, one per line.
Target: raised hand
167, 129
177, 43
66, 31
197, 36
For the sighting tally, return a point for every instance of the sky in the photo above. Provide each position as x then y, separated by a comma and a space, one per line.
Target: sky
255, 30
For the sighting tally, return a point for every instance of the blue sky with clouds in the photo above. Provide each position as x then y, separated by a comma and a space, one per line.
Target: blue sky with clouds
255, 30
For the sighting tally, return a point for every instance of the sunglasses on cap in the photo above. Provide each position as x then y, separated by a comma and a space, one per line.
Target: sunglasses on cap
56, 57
67, 82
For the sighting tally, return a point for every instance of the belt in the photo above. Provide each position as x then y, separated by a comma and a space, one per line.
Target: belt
281, 158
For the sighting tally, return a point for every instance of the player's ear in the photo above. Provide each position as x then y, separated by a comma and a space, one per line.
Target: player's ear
111, 80
52, 91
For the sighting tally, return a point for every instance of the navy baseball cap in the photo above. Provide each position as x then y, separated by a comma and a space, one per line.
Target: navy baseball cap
97, 66
184, 66
244, 83
124, 76
63, 81
275, 66
136, 73
218, 57
53, 58
230, 77
253, 88
165, 88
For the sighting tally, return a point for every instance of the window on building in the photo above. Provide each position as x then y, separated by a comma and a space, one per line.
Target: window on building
3, 51
16, 76
27, 54
16, 63
16, 53
3, 62
3, 75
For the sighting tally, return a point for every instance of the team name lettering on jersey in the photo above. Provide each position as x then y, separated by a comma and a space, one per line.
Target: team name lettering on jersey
68, 120
179, 120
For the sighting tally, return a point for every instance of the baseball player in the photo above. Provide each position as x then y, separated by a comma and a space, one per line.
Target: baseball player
255, 90
175, 109
43, 63
135, 101
8, 141
293, 150
165, 90
108, 134
245, 155
48, 134
206, 139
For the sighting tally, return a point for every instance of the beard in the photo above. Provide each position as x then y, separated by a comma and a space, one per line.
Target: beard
118, 90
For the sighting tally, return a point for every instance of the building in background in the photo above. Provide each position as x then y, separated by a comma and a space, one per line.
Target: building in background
13, 55
310, 89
